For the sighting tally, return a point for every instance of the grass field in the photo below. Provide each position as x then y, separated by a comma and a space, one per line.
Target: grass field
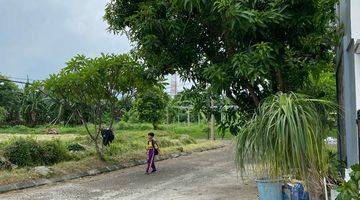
129, 144
194, 130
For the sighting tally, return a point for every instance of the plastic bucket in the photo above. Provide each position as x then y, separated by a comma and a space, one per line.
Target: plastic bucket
269, 189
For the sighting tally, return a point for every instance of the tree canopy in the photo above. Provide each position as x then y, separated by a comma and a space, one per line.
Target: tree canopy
94, 85
247, 49
150, 105
10, 100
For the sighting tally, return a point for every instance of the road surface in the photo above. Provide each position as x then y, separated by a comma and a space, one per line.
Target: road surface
206, 175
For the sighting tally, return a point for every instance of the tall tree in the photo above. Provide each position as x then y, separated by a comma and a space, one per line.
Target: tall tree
95, 85
247, 49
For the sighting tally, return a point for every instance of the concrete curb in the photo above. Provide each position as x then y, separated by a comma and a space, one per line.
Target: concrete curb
93, 172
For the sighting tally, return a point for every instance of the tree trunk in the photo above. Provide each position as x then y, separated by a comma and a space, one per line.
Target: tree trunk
93, 139
99, 151
279, 80
253, 95
212, 121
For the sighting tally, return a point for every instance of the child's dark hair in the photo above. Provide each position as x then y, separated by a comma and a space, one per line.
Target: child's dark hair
151, 134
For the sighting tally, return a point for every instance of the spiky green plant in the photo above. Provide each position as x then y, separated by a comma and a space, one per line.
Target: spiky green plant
286, 136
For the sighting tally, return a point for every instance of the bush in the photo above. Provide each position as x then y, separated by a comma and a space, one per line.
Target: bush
75, 147
350, 189
3, 114
53, 152
22, 151
29, 152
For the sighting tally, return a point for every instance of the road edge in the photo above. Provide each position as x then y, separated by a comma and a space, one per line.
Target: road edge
96, 171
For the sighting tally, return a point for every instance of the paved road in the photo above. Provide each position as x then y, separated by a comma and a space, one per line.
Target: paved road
201, 176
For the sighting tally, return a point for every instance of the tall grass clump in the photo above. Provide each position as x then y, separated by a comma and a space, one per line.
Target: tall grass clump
286, 136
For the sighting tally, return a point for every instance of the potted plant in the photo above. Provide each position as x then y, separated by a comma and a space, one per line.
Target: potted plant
285, 136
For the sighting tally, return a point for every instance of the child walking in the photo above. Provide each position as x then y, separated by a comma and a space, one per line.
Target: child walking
152, 151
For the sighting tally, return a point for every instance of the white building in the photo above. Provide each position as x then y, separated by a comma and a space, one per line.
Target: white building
348, 80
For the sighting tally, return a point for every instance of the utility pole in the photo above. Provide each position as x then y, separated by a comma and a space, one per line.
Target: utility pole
174, 85
212, 121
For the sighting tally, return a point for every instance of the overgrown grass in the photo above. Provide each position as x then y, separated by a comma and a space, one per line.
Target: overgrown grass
20, 129
129, 144
195, 130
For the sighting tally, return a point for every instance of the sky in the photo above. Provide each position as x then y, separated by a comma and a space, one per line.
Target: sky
37, 37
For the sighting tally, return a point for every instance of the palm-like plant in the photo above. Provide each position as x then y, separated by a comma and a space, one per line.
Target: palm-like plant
286, 136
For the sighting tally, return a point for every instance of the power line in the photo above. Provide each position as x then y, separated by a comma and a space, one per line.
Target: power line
17, 78
14, 81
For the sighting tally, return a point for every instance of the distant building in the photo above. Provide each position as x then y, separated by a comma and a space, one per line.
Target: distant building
176, 85
348, 80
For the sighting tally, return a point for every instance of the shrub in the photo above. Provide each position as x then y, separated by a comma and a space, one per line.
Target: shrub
29, 152
3, 114
75, 147
22, 152
350, 189
53, 152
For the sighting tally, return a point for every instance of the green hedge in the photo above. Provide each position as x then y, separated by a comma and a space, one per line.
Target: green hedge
29, 152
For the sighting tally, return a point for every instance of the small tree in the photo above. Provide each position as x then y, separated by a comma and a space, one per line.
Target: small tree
95, 85
34, 105
151, 105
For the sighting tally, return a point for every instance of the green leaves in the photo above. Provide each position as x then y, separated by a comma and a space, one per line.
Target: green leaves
190, 5
90, 81
3, 114
285, 136
150, 105
350, 190
235, 46
254, 65
92, 86
234, 13
10, 99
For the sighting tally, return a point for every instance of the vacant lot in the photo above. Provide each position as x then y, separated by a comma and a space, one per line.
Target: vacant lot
129, 145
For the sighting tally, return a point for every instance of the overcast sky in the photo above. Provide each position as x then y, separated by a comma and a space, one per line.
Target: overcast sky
37, 37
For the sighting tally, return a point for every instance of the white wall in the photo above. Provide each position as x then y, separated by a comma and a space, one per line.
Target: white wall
355, 19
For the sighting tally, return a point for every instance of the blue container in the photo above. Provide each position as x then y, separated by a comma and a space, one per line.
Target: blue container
298, 192
269, 189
